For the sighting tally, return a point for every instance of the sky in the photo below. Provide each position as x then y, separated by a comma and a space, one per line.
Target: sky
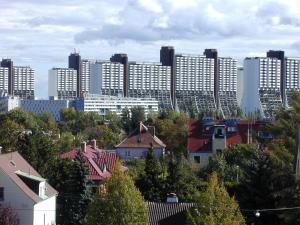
42, 33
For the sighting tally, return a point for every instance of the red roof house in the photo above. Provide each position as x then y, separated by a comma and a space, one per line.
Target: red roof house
100, 162
138, 143
207, 137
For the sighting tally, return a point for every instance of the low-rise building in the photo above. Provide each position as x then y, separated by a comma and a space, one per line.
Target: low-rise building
25, 191
8, 103
100, 162
207, 137
104, 103
52, 106
138, 143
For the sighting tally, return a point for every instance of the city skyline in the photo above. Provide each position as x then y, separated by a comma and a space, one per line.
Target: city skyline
42, 34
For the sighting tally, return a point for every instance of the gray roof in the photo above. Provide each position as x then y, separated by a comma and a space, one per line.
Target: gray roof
167, 213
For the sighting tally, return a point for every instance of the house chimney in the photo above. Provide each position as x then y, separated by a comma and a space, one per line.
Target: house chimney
94, 143
83, 147
172, 198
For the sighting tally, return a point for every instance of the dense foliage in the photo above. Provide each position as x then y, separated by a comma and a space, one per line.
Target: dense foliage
118, 201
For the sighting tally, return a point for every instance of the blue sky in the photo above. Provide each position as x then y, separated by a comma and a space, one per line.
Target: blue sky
42, 33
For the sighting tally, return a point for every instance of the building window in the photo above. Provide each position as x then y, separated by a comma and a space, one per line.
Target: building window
1, 193
197, 159
127, 153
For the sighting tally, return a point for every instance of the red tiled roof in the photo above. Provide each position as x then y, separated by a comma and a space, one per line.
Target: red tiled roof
12, 162
200, 135
100, 162
141, 137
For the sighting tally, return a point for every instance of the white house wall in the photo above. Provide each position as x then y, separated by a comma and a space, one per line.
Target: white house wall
17, 199
136, 153
45, 212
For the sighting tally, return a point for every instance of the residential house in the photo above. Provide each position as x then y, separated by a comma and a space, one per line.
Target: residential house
23, 189
171, 212
138, 143
100, 162
208, 136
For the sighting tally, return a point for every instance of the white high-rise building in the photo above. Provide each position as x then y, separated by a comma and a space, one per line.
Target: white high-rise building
292, 77
107, 78
62, 83
262, 86
151, 80
23, 82
85, 75
228, 86
194, 83
4, 80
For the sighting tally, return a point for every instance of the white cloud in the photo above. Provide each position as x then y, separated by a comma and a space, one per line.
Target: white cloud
44, 32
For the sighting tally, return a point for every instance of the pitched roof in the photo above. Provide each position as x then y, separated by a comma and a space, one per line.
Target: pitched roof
99, 161
14, 166
200, 134
167, 213
142, 137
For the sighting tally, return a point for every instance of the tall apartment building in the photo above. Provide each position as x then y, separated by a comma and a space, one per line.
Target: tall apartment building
292, 78
75, 63
151, 80
23, 82
85, 77
62, 83
8, 63
123, 59
194, 83
227, 89
202, 83
262, 86
107, 78
4, 80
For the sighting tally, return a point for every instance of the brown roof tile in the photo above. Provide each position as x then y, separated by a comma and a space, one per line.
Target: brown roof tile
12, 162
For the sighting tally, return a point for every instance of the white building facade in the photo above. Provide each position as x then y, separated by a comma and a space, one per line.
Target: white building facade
85, 76
292, 77
23, 82
194, 87
106, 78
4, 79
228, 86
62, 83
103, 104
151, 80
262, 86
8, 103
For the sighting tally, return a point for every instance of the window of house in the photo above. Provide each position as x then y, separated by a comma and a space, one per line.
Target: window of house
1, 193
197, 159
127, 153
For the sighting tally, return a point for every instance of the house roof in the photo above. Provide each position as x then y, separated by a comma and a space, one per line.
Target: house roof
200, 134
167, 213
142, 137
14, 166
100, 162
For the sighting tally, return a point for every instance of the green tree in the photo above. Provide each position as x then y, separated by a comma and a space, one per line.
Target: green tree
151, 183
125, 120
181, 180
119, 202
215, 206
66, 142
77, 193
10, 134
137, 116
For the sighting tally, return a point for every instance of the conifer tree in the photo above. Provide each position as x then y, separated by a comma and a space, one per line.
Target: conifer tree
151, 183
